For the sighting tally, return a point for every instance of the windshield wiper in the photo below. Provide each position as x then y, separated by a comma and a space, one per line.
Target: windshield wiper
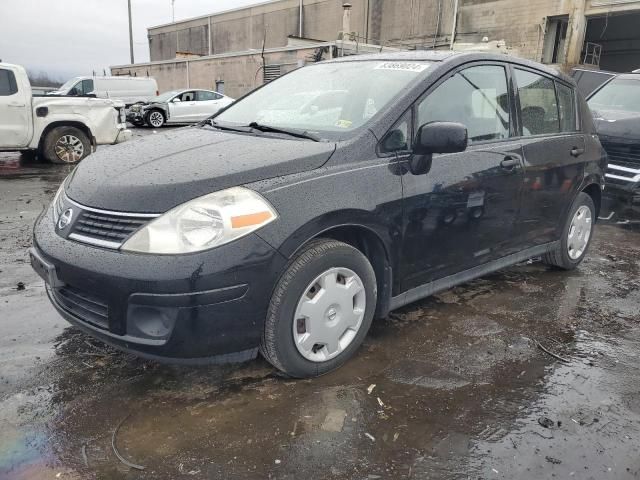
215, 124
291, 133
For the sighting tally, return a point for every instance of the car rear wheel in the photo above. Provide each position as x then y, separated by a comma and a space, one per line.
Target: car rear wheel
66, 145
155, 118
576, 235
320, 310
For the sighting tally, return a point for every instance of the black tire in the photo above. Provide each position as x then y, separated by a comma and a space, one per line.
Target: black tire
29, 156
277, 344
147, 118
560, 257
52, 153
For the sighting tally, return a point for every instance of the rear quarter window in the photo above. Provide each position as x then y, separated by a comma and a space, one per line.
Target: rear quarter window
567, 108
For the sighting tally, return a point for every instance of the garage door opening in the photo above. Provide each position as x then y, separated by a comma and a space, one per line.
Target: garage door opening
612, 42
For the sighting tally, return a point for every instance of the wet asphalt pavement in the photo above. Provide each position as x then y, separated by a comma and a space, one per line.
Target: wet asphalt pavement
452, 387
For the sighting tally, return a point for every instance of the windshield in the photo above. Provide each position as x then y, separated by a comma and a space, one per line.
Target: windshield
619, 94
166, 96
68, 84
327, 97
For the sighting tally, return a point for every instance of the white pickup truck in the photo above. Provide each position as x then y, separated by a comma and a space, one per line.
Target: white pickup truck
59, 129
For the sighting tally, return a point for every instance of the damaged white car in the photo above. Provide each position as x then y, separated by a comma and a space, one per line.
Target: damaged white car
58, 129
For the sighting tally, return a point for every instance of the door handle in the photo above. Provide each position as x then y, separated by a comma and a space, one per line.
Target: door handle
18, 105
509, 162
576, 152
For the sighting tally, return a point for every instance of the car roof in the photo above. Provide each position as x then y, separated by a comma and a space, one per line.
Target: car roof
182, 90
415, 55
627, 76
446, 56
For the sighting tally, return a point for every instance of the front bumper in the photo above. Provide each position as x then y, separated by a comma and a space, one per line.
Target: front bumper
124, 135
623, 200
135, 117
195, 308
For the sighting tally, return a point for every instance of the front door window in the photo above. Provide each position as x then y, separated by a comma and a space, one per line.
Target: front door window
476, 97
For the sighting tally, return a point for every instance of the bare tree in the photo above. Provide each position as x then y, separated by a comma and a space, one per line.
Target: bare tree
42, 79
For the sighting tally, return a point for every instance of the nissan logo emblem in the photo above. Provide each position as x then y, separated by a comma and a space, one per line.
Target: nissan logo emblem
65, 218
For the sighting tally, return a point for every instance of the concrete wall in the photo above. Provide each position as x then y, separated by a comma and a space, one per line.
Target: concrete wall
395, 23
387, 22
241, 73
244, 29
521, 23
410, 22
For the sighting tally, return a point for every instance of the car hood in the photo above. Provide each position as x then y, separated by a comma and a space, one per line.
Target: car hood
149, 103
617, 124
158, 172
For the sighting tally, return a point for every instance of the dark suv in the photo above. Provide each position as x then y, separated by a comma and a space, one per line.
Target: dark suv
288, 238
616, 109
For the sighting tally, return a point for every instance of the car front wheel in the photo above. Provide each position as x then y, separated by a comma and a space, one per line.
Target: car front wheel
155, 118
320, 310
576, 235
66, 145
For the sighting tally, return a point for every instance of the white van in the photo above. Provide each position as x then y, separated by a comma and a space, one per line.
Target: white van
129, 90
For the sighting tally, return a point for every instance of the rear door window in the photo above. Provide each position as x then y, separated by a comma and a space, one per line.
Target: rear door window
477, 97
538, 105
204, 96
567, 107
8, 85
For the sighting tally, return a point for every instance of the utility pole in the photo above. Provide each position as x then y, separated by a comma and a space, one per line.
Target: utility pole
173, 11
130, 33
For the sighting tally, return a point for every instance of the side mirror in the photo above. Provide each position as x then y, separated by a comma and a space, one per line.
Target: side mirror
441, 137
176, 100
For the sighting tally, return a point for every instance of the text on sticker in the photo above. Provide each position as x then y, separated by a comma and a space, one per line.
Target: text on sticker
404, 66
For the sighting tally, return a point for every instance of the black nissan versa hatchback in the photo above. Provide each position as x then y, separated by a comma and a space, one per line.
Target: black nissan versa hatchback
388, 177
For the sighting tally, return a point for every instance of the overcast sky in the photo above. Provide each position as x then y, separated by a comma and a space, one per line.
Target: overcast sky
65, 38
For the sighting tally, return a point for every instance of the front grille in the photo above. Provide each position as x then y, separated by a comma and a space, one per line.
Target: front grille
624, 162
106, 227
623, 154
88, 307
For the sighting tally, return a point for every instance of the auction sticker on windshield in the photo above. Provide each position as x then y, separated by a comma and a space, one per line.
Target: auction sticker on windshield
404, 66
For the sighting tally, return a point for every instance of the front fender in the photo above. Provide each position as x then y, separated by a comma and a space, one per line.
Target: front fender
360, 219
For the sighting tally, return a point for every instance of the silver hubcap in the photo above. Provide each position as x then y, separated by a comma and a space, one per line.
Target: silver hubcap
329, 314
69, 149
579, 233
156, 119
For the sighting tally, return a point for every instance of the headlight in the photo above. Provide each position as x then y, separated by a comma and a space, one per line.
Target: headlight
204, 223
57, 202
